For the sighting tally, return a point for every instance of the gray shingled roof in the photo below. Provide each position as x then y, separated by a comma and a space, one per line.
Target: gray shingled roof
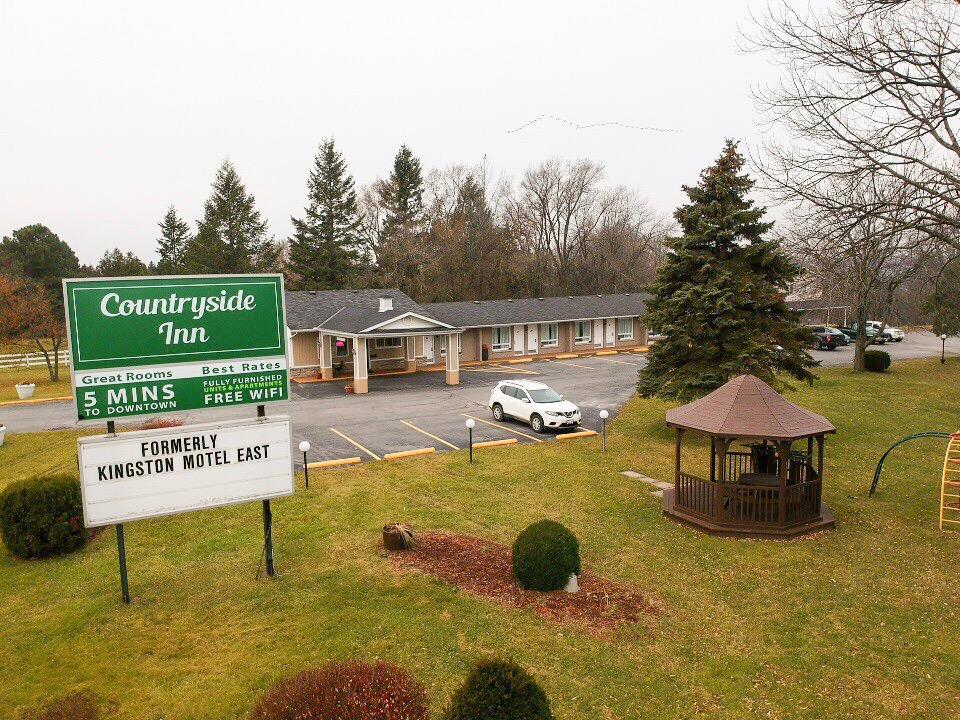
350, 311
532, 310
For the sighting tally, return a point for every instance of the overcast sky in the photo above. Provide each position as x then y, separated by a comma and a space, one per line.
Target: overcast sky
112, 111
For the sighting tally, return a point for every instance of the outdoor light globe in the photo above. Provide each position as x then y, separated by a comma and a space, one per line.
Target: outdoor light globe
943, 336
604, 414
304, 446
471, 423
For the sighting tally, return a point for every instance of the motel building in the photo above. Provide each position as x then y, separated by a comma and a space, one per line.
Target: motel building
356, 333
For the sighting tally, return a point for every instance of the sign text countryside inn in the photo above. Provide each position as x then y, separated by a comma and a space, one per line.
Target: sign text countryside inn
172, 344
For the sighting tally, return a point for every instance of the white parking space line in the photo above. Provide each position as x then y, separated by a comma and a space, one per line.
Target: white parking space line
430, 435
501, 427
355, 444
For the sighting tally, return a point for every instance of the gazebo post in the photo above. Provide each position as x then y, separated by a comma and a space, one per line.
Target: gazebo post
820, 439
676, 475
783, 468
722, 458
713, 459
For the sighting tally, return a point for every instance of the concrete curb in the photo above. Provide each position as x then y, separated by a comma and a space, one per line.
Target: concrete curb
35, 401
409, 453
333, 463
574, 435
495, 443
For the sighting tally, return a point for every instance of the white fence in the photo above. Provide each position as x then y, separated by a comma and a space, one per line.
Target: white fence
30, 359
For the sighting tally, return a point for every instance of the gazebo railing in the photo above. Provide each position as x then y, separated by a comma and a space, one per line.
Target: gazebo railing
738, 463
730, 503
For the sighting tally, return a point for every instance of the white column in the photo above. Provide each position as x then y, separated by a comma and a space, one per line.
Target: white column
453, 360
411, 345
360, 366
326, 356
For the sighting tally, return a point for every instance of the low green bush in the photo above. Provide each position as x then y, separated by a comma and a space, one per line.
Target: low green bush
347, 690
545, 555
499, 690
876, 360
42, 516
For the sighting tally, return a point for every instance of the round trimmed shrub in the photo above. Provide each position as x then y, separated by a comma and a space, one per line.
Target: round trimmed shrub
42, 517
876, 360
347, 690
545, 555
499, 690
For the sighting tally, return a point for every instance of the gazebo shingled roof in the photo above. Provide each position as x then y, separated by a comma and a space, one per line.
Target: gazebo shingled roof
747, 407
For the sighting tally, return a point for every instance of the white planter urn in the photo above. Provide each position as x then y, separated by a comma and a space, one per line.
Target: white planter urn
572, 586
25, 391
3, 431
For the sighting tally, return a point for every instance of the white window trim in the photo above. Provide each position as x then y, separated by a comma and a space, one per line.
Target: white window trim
502, 347
443, 346
583, 339
390, 342
624, 336
545, 341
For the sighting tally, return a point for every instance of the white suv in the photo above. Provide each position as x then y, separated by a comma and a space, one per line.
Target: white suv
534, 403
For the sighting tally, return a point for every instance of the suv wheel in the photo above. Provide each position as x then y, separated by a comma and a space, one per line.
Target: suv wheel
536, 422
497, 412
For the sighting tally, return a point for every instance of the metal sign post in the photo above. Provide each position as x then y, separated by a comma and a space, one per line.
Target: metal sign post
470, 425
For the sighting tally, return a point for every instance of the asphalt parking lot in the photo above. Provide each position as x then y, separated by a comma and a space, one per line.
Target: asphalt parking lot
407, 412
914, 345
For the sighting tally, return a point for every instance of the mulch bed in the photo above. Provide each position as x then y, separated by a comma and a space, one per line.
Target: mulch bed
485, 568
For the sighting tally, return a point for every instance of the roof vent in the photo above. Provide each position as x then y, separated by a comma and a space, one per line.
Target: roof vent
386, 303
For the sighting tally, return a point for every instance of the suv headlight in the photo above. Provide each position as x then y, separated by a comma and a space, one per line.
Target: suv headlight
554, 414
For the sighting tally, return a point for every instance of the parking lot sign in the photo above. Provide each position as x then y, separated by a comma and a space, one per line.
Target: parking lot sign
151, 345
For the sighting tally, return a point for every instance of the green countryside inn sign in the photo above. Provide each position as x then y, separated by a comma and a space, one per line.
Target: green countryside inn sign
151, 345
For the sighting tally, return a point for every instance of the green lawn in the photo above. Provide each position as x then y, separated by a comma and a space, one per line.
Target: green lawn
37, 374
862, 622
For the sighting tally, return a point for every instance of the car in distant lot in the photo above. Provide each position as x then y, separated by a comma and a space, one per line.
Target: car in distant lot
844, 338
872, 328
824, 338
654, 336
895, 333
534, 403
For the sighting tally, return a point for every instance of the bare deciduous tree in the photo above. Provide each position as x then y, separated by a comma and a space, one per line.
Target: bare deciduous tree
870, 88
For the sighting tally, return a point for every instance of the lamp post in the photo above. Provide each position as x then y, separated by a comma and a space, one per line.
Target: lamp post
305, 448
943, 348
603, 419
471, 423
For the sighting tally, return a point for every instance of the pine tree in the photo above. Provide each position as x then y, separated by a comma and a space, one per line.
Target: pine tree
719, 295
172, 243
402, 194
325, 249
231, 238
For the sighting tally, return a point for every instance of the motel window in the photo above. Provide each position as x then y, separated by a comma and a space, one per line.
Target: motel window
393, 342
624, 328
549, 335
584, 332
443, 346
501, 337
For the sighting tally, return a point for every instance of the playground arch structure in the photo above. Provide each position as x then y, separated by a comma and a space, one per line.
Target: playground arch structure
950, 480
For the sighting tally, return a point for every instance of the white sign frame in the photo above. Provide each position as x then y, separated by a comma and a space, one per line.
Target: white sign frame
94, 442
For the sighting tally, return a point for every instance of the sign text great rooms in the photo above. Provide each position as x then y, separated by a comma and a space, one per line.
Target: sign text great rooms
171, 344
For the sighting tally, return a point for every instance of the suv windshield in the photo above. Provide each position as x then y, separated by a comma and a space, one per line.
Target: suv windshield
545, 396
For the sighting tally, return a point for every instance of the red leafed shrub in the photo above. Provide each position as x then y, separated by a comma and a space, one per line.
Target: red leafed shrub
75, 706
348, 690
158, 423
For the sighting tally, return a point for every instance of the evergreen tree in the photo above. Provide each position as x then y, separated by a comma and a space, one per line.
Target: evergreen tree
325, 249
37, 253
231, 238
116, 263
172, 243
719, 295
402, 194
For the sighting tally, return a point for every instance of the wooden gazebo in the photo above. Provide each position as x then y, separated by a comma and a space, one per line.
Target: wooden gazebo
763, 488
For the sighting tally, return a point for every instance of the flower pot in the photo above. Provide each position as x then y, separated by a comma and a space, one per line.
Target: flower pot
3, 431
348, 389
572, 585
25, 391
397, 536
485, 354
